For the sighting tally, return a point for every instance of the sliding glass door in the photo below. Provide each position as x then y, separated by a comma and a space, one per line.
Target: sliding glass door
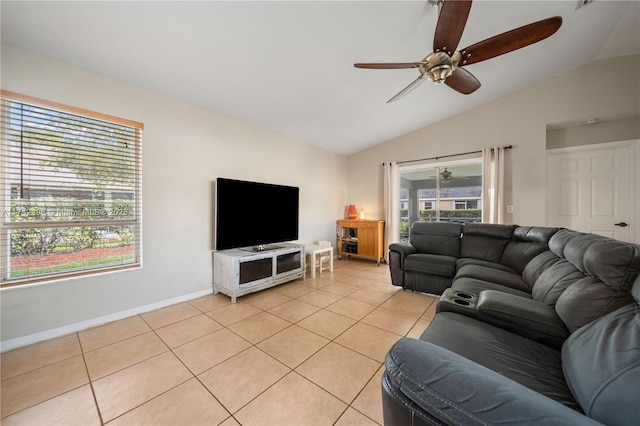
448, 192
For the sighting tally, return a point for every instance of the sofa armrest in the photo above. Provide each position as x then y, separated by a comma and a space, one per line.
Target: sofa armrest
398, 252
526, 317
403, 249
424, 382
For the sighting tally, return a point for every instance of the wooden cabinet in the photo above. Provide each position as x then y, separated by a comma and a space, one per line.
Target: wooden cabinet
362, 238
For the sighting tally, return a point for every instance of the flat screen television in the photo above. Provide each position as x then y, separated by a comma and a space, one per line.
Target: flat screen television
252, 215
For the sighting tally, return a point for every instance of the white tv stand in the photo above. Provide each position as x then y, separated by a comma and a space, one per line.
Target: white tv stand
237, 272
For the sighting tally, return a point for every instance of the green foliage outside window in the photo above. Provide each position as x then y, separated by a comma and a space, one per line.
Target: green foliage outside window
47, 240
452, 214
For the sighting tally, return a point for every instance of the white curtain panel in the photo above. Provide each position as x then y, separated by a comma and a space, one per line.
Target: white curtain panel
391, 205
493, 184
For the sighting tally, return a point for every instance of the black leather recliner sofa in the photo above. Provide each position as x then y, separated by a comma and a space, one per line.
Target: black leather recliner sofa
527, 333
437, 250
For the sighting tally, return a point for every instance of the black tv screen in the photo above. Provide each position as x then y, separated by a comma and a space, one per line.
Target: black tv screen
254, 214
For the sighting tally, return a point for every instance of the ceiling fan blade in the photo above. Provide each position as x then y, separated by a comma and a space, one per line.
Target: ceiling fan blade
390, 66
451, 21
417, 82
462, 81
510, 41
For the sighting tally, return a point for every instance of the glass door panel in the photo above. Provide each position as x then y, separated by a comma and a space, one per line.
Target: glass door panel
447, 193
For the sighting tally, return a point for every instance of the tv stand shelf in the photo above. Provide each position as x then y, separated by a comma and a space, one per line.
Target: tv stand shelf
237, 272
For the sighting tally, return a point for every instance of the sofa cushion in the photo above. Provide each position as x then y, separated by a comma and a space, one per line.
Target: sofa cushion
485, 241
560, 239
431, 264
616, 263
574, 250
601, 363
464, 261
529, 363
587, 300
501, 277
611, 267
538, 265
554, 280
436, 238
526, 243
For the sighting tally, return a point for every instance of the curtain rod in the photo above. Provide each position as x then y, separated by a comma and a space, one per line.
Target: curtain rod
447, 156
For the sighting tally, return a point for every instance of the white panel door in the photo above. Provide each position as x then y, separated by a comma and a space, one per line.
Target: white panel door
589, 189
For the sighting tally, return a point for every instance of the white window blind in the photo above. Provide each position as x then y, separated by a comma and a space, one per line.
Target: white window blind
71, 191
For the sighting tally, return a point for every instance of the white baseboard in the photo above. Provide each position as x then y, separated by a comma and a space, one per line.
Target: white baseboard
74, 328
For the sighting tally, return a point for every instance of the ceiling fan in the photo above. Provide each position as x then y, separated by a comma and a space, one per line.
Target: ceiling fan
444, 64
447, 175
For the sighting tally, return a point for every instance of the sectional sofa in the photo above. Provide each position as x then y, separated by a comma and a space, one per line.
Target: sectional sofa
534, 325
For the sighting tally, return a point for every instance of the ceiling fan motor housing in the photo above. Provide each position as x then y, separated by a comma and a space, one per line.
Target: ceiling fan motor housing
440, 65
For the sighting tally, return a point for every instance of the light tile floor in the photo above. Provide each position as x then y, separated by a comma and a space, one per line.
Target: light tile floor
306, 352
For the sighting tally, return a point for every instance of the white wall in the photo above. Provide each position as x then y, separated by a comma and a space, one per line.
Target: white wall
518, 119
622, 129
184, 150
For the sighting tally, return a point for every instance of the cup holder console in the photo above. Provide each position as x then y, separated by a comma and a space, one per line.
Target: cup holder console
463, 299
455, 300
464, 295
462, 302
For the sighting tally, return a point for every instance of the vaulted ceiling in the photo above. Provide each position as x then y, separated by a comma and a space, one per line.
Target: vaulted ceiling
288, 66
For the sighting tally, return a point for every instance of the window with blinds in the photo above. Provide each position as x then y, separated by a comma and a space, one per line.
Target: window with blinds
71, 191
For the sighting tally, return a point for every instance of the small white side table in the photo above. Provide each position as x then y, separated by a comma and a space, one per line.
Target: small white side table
312, 250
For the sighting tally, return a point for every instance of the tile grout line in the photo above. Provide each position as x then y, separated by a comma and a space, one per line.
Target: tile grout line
49, 365
294, 370
93, 392
339, 279
169, 349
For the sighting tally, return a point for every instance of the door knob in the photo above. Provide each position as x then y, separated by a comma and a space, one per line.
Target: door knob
622, 224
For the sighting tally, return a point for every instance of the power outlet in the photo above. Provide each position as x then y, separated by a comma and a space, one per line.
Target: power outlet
510, 208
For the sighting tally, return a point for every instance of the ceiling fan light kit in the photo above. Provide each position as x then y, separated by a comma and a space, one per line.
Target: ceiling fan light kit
444, 64
439, 73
